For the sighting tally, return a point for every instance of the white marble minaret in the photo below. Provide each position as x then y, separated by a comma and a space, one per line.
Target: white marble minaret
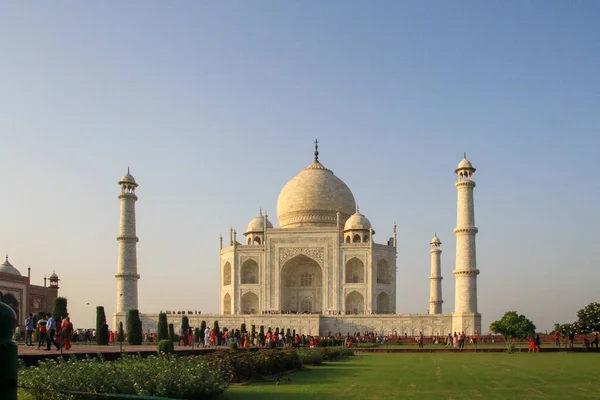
435, 296
127, 276
465, 316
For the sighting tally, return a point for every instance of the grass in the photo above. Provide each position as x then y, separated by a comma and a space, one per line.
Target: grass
439, 376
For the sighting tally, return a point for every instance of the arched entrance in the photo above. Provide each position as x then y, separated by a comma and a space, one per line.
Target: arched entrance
383, 303
355, 303
249, 303
249, 272
12, 301
301, 285
355, 271
227, 304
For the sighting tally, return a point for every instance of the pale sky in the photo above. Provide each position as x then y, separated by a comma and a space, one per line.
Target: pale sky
215, 106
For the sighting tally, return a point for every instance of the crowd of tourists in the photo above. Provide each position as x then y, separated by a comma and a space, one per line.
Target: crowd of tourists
48, 332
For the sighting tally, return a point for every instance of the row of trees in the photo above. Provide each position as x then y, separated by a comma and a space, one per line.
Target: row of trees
134, 328
515, 326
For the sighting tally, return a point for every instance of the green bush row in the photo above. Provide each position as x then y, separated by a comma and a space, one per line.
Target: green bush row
166, 376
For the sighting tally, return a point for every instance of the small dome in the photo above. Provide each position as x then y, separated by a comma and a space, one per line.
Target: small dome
53, 277
357, 221
257, 224
127, 178
464, 164
435, 240
7, 268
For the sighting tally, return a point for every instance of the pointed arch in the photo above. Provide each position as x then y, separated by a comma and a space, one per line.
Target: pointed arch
249, 303
355, 271
383, 303
249, 272
301, 278
227, 274
355, 303
227, 304
356, 238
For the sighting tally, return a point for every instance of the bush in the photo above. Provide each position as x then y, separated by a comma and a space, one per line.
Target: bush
59, 308
233, 346
134, 328
100, 322
310, 357
166, 346
179, 377
162, 332
172, 337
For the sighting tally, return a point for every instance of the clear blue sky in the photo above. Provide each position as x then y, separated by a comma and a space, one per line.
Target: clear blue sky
215, 106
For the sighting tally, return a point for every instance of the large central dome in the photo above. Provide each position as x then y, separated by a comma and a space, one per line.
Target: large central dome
313, 198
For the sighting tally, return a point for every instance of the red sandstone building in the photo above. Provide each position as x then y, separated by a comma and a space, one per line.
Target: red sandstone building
23, 297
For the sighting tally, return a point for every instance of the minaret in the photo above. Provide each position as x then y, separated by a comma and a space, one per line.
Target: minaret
127, 276
435, 295
465, 317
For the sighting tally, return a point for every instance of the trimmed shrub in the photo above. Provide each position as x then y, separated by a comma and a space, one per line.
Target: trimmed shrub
162, 332
243, 328
59, 308
196, 335
172, 337
100, 321
179, 377
233, 346
166, 346
134, 328
253, 329
120, 333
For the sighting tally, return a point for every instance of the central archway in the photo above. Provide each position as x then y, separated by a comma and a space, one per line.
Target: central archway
301, 286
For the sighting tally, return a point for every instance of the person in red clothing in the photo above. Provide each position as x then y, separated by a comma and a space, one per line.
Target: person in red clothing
111, 337
557, 338
531, 345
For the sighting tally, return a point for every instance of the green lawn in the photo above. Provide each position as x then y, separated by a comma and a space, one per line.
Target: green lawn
439, 376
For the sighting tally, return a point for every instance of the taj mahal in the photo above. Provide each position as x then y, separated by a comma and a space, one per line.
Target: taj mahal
321, 270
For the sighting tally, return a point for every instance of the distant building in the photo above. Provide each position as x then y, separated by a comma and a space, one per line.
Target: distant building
23, 297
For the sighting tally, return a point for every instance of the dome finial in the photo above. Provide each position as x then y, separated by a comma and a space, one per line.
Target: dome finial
357, 208
465, 155
316, 150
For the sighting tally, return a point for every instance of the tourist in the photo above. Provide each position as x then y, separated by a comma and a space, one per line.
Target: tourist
586, 344
29, 330
596, 338
557, 338
531, 345
537, 343
42, 331
66, 333
207, 337
51, 331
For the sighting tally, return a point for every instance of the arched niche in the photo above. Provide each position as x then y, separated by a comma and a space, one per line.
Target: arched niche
227, 274
383, 303
355, 271
227, 304
301, 279
249, 272
355, 303
249, 303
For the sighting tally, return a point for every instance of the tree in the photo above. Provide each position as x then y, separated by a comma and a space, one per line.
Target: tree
59, 308
121, 333
513, 326
171, 333
243, 328
216, 326
100, 322
588, 318
185, 327
162, 330
134, 327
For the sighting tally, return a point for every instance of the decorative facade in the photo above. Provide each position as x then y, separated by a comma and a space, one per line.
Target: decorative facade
320, 271
23, 297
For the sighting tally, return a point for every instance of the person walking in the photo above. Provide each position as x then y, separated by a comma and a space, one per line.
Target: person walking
42, 331
29, 330
66, 333
538, 343
51, 328
557, 338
